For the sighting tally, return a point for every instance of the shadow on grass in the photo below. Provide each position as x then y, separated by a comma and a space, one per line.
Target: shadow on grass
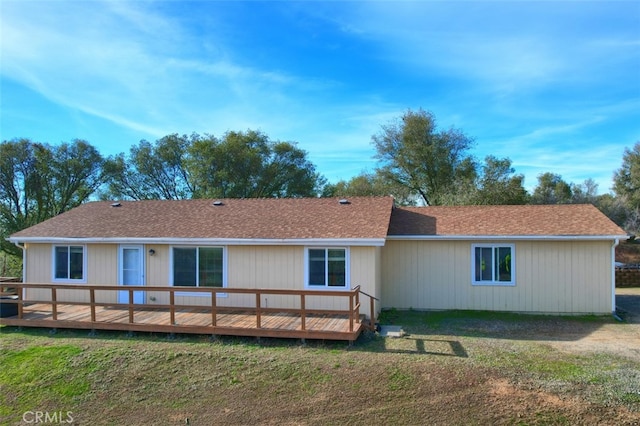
420, 346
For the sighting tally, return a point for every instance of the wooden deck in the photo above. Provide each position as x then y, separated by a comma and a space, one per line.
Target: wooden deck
255, 321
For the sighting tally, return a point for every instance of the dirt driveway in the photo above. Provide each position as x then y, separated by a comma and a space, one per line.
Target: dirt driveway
619, 338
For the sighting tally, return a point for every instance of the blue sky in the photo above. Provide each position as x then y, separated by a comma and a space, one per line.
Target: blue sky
554, 86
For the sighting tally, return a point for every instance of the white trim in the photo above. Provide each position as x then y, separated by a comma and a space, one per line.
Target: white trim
505, 237
322, 242
142, 265
85, 254
613, 275
319, 242
198, 294
121, 248
511, 283
347, 269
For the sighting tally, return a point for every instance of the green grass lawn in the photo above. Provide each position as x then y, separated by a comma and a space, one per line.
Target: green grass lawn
451, 368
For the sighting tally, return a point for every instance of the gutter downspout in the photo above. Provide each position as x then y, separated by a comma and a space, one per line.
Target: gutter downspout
24, 266
613, 279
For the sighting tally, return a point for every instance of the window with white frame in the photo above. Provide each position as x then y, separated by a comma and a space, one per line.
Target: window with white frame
68, 263
327, 267
198, 266
493, 264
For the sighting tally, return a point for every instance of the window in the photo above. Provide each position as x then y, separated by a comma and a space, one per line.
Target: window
198, 267
493, 264
68, 263
327, 267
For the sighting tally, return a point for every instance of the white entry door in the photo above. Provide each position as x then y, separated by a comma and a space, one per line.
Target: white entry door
131, 273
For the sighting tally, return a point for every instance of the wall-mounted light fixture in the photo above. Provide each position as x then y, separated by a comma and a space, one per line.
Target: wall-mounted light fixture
152, 252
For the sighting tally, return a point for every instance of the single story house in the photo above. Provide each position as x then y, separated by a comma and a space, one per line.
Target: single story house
532, 258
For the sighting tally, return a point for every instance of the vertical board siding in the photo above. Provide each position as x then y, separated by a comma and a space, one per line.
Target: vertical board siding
277, 267
281, 267
264, 267
378, 282
39, 269
102, 269
364, 272
157, 273
551, 277
102, 264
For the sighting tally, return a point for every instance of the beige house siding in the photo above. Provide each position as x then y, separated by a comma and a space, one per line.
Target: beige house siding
277, 267
38, 263
282, 267
254, 267
551, 277
101, 269
554, 277
157, 273
365, 272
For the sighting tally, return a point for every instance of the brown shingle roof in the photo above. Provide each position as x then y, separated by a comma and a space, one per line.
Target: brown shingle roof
286, 218
527, 220
315, 218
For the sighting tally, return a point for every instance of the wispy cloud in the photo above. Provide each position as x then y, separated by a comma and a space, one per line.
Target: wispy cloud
117, 61
551, 85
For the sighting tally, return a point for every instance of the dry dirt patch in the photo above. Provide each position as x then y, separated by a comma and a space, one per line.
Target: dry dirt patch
616, 338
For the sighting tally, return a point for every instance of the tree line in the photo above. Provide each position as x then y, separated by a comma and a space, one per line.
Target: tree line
418, 163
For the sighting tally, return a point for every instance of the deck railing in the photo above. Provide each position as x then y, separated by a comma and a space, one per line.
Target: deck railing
352, 311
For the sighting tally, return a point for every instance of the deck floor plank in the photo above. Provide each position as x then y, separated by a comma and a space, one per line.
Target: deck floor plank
196, 320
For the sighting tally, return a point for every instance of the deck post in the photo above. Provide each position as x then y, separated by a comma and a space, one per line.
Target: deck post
92, 298
130, 306
303, 313
372, 306
258, 317
172, 307
20, 302
214, 313
351, 312
54, 304
357, 305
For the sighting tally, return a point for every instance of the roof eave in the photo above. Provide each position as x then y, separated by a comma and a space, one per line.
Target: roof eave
507, 237
208, 241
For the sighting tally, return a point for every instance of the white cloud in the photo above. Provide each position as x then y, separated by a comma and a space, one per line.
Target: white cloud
126, 63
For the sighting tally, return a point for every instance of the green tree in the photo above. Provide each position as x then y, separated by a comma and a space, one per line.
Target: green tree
152, 171
585, 192
626, 180
367, 185
551, 189
39, 181
248, 164
10, 265
288, 173
613, 207
430, 162
496, 184
626, 185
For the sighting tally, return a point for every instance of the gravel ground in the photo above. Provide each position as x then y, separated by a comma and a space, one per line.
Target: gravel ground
620, 338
